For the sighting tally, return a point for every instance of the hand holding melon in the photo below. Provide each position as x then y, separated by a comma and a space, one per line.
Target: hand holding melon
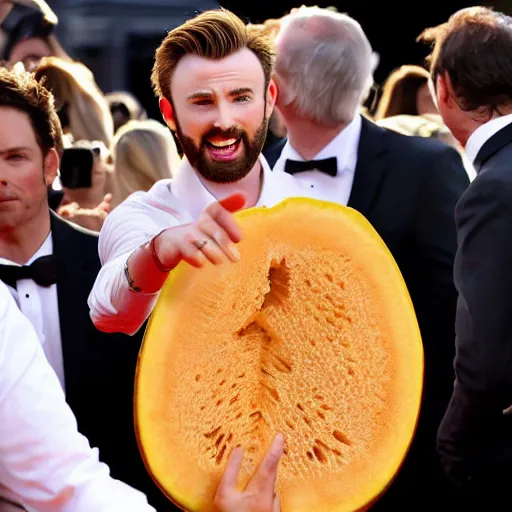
259, 494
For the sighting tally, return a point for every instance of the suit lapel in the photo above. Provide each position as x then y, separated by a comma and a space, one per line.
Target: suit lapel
494, 144
73, 278
371, 164
273, 152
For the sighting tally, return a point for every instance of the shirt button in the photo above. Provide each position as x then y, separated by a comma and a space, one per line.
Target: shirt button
27, 295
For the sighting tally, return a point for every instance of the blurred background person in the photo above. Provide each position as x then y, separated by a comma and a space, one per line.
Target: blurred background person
26, 32
143, 152
406, 106
124, 107
81, 106
86, 177
427, 125
85, 117
406, 91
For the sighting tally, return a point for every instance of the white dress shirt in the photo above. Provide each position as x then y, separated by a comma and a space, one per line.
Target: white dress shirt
45, 463
40, 305
483, 133
169, 203
317, 184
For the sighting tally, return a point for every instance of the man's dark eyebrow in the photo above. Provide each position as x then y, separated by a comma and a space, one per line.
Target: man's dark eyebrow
241, 90
206, 94
199, 94
14, 149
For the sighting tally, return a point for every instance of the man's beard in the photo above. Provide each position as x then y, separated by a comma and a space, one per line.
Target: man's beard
224, 172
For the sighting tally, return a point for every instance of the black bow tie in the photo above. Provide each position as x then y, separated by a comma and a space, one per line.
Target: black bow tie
327, 165
43, 271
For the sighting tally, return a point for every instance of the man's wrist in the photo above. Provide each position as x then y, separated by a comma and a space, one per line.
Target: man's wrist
154, 253
150, 250
129, 279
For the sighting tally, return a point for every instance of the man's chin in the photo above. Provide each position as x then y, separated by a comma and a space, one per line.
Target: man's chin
223, 173
8, 222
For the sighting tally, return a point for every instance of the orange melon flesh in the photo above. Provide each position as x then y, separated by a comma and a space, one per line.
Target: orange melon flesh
312, 334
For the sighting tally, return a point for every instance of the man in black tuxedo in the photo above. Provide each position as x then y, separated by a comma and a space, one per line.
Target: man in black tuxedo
475, 437
50, 267
407, 187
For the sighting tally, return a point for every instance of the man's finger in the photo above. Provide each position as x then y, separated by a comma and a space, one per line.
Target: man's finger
106, 204
264, 479
198, 258
233, 203
217, 235
276, 504
225, 220
230, 477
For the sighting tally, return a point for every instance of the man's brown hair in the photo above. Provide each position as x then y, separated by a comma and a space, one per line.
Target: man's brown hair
474, 48
21, 91
214, 34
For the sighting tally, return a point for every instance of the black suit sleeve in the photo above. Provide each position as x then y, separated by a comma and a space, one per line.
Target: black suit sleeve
483, 275
433, 291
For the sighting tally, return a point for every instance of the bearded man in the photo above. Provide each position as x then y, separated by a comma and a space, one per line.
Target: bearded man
213, 79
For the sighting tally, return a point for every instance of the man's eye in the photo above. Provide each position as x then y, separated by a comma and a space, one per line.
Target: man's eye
243, 99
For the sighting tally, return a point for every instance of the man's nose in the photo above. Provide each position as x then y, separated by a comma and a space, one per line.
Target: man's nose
225, 118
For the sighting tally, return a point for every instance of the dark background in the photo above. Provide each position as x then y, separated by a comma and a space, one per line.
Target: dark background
391, 27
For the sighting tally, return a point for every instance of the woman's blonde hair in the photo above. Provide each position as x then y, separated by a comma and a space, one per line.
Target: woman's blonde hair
75, 90
144, 152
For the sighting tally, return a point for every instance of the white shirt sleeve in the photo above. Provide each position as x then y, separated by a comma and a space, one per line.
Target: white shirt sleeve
43, 458
113, 306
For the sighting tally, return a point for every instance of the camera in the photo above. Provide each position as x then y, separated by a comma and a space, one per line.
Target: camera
76, 166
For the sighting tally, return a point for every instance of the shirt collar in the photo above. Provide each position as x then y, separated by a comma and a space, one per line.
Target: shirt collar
45, 250
344, 147
189, 189
483, 133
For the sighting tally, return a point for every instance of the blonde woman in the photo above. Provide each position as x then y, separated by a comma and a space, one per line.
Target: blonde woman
81, 106
144, 152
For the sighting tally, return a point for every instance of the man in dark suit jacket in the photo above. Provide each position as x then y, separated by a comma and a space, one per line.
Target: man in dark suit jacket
99, 368
475, 437
407, 187
50, 267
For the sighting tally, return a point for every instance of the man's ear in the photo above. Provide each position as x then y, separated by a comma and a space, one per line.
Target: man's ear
272, 93
432, 87
444, 90
167, 113
51, 167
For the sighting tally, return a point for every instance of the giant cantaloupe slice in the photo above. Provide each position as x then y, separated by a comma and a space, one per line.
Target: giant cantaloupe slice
312, 334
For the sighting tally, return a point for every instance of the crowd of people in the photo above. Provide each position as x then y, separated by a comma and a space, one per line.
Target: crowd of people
98, 204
